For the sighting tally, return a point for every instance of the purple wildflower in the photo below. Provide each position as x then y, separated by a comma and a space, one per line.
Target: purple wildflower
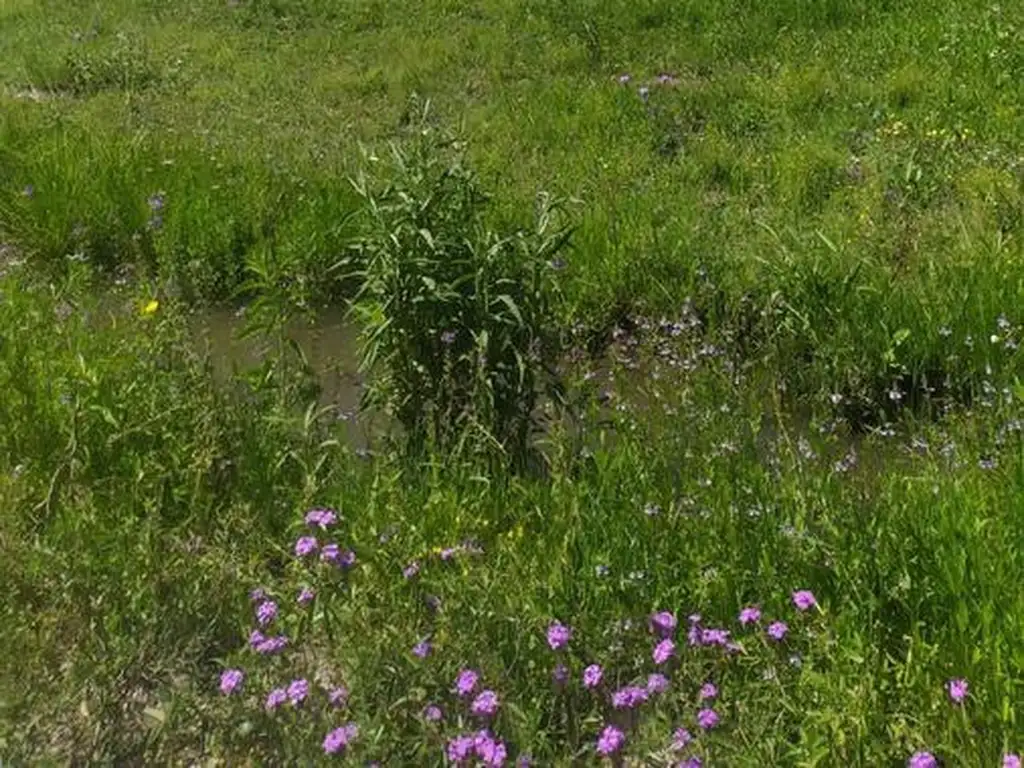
256, 639
777, 630
692, 762
448, 338
592, 676
804, 599
305, 545
266, 612
258, 595
657, 683
680, 739
492, 753
338, 696
560, 674
957, 690
558, 635
663, 623
485, 704
347, 559
272, 645
610, 741
708, 691
707, 719
156, 202
922, 760
524, 761
321, 518
422, 649
460, 748
306, 596
693, 635
298, 690
330, 553
466, 682
411, 569
1010, 760
230, 679
663, 651
714, 636
432, 713
629, 697
449, 552
339, 738
750, 615
276, 698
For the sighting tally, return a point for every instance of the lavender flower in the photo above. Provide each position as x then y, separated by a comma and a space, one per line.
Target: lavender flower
460, 748
664, 651
680, 739
422, 649
230, 679
485, 704
714, 636
347, 559
592, 676
276, 698
466, 682
657, 683
629, 697
707, 719
337, 740
1010, 760
306, 596
804, 599
305, 545
558, 635
663, 623
338, 696
411, 569
491, 751
922, 760
272, 645
256, 639
708, 691
692, 762
432, 713
266, 612
610, 741
957, 690
330, 553
777, 630
321, 518
750, 615
258, 595
298, 690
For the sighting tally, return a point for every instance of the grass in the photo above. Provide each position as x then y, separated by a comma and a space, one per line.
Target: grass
825, 201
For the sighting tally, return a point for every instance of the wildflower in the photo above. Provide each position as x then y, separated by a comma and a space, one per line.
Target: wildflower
422, 649
460, 748
256, 638
330, 553
707, 719
657, 683
922, 760
305, 545
448, 553
306, 596
276, 698
692, 762
624, 78
708, 691
693, 635
644, 92
156, 202
651, 509
664, 651
558, 635
957, 690
524, 761
433, 603
629, 697
714, 637
339, 738
680, 739
750, 615
485, 704
804, 599
272, 645
266, 612
338, 696
321, 518
466, 682
230, 679
448, 338
297, 691
663, 623
560, 674
432, 713
411, 569
1011, 760
610, 741
592, 676
777, 630
149, 308
257, 595
347, 559
491, 752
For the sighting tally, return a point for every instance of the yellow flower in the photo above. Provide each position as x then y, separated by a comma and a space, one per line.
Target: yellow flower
150, 307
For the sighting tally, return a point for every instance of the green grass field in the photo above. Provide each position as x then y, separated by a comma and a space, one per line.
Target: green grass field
667, 306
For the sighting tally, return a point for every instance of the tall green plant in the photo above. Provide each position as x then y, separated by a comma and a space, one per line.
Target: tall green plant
457, 319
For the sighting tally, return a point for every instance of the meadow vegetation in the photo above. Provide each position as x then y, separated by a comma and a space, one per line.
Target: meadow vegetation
693, 330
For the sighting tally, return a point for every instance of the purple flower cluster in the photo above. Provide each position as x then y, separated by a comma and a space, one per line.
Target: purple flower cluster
489, 750
337, 740
558, 635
